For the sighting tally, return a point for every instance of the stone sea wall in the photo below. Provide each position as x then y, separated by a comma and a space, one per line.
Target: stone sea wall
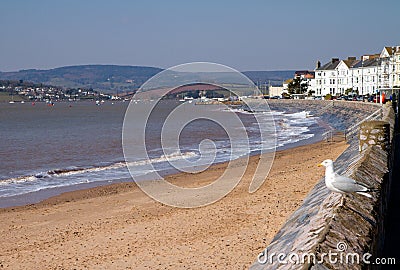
339, 114
326, 222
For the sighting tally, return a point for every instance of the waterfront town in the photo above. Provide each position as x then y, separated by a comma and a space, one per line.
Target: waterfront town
350, 79
337, 78
14, 91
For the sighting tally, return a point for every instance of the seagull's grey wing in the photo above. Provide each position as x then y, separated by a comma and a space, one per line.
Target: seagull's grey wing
347, 184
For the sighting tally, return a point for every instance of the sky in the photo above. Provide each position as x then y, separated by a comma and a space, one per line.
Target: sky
245, 35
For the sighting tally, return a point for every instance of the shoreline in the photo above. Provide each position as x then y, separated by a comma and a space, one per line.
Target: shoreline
118, 226
41, 196
36, 197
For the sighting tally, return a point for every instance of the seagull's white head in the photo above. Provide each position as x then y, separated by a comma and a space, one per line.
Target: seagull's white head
326, 163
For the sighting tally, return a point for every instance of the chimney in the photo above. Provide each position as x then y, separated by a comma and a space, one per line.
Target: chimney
318, 64
351, 58
334, 60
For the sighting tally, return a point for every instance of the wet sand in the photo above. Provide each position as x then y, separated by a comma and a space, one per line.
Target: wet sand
119, 227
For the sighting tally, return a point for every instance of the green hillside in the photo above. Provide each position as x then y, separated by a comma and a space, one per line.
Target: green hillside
113, 78
109, 78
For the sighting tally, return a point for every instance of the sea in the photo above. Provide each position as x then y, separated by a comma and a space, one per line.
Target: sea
48, 149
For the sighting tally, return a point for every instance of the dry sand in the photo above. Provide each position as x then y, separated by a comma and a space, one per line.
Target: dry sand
119, 227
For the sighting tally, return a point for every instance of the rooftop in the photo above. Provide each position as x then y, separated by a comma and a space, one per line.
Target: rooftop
330, 65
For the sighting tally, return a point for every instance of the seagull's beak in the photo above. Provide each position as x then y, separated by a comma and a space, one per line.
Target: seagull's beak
320, 165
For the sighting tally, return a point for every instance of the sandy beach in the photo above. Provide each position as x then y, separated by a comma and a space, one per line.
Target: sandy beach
119, 227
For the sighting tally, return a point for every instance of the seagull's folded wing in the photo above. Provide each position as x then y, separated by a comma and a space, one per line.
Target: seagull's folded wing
347, 184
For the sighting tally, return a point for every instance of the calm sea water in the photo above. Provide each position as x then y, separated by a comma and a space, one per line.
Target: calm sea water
47, 148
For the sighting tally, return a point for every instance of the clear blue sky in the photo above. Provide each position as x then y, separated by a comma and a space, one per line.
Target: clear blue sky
246, 35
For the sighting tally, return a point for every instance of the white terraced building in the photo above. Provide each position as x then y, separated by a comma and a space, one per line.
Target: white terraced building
364, 76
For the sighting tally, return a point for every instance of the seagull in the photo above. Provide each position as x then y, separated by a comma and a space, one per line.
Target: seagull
342, 184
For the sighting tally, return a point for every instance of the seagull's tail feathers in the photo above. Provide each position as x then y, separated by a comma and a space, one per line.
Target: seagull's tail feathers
365, 188
365, 194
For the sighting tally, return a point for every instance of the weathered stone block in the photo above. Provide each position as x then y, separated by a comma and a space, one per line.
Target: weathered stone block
374, 133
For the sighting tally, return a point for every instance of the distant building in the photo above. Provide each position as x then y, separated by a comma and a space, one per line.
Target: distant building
396, 63
275, 91
286, 85
391, 72
308, 79
364, 75
301, 73
326, 78
344, 75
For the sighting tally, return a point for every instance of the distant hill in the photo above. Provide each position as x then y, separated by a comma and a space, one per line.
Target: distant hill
113, 78
108, 78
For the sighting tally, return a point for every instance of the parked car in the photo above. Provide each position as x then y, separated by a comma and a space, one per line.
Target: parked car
346, 98
360, 98
370, 98
342, 97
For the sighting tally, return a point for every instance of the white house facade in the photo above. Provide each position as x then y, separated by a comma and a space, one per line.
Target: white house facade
275, 91
396, 62
326, 78
364, 76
